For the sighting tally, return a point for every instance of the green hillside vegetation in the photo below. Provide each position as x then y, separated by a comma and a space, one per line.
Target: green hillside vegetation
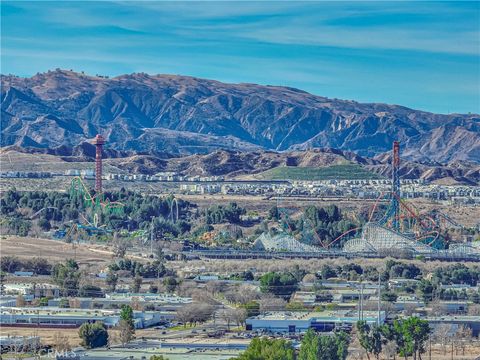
344, 172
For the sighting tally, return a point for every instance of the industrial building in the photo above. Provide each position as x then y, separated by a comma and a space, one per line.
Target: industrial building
61, 317
473, 322
162, 302
31, 291
292, 322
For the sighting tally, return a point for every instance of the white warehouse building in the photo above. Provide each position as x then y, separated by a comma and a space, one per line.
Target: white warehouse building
291, 322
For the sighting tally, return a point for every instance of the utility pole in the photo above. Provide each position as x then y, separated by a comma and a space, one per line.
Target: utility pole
358, 307
151, 236
361, 300
430, 347
378, 303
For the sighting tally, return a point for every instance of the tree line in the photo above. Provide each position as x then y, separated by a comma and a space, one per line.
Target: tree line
317, 225
22, 209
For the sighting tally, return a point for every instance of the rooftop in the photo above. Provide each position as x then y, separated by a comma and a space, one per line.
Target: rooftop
332, 315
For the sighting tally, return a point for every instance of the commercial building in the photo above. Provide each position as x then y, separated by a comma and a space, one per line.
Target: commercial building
162, 302
306, 298
473, 322
61, 317
31, 290
348, 295
291, 322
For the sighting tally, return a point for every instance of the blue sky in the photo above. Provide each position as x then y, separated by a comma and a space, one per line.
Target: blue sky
424, 55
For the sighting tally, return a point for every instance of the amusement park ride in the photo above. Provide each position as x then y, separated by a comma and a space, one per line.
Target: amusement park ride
405, 219
401, 225
97, 203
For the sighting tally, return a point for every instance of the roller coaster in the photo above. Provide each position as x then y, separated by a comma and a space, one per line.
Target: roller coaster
402, 226
96, 202
392, 224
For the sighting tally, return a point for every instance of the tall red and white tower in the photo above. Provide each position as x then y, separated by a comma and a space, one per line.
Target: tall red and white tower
396, 185
99, 141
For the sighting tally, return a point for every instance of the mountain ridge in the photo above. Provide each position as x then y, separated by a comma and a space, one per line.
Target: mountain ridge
187, 115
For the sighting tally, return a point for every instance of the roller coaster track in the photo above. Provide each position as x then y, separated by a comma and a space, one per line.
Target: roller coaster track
341, 236
427, 225
96, 202
39, 211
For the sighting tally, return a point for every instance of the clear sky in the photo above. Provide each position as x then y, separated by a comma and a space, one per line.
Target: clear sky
424, 55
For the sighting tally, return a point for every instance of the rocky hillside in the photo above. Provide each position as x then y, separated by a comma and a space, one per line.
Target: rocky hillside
185, 115
232, 164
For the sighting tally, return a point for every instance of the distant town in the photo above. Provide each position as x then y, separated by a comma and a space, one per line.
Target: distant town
358, 188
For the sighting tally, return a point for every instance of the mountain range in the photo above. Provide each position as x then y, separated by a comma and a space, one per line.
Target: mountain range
183, 115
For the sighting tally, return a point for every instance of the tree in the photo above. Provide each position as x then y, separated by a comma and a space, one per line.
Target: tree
120, 246
463, 336
227, 316
44, 224
217, 214
370, 338
280, 284
126, 314
125, 332
252, 308
170, 284
389, 296
93, 335
39, 266
203, 312
411, 335
268, 349
159, 253
2, 282
63, 303
61, 342
10, 264
185, 314
273, 213
239, 315
309, 346
271, 303
324, 347
43, 301
327, 272
194, 313
111, 280
442, 334
67, 276
137, 284
426, 290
